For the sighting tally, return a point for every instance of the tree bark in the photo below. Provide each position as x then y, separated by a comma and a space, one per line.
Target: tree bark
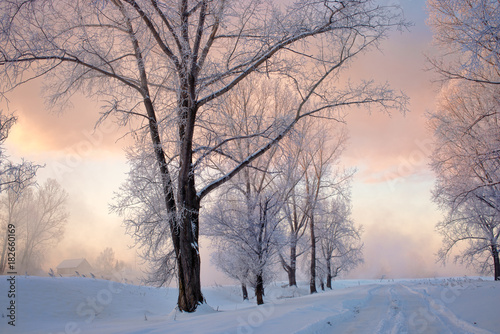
259, 290
291, 277
188, 256
312, 282
183, 220
183, 223
292, 269
328, 274
496, 261
244, 291
188, 260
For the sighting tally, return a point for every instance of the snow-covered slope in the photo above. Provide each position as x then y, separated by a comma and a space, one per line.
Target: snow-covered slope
83, 305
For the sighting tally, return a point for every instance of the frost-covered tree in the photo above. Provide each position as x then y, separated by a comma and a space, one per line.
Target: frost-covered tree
467, 164
13, 210
40, 215
467, 33
167, 66
45, 217
339, 239
244, 219
140, 201
474, 228
293, 207
106, 263
307, 163
322, 179
15, 178
231, 260
7, 170
13, 175
247, 236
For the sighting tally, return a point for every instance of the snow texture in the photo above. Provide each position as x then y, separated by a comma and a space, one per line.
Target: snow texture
83, 305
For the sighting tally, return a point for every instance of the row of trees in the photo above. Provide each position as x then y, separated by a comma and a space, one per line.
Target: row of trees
166, 67
466, 127
260, 219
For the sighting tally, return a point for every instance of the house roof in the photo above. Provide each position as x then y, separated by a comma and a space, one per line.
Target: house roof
71, 263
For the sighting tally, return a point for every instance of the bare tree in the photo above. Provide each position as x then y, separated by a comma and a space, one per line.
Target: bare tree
243, 220
12, 175
466, 159
14, 180
467, 163
467, 32
171, 64
13, 208
106, 264
339, 238
106, 260
39, 214
297, 227
247, 236
7, 172
45, 218
231, 260
140, 201
474, 227
291, 181
321, 181
309, 154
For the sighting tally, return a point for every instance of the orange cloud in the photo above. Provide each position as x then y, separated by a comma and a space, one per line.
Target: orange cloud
41, 130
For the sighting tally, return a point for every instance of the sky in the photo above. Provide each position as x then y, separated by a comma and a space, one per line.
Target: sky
391, 191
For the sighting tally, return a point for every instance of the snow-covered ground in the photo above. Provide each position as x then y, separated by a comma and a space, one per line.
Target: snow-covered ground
83, 305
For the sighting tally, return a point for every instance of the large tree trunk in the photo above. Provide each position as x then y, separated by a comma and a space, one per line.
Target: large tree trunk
183, 215
328, 274
496, 262
188, 256
188, 261
292, 269
312, 282
244, 291
291, 277
259, 290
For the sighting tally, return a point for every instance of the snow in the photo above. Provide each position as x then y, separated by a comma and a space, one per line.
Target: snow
84, 305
